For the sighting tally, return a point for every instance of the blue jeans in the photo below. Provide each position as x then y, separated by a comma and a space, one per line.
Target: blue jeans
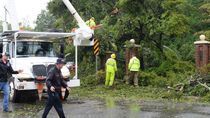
5, 87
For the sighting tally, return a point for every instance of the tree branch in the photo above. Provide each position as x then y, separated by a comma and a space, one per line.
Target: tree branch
204, 85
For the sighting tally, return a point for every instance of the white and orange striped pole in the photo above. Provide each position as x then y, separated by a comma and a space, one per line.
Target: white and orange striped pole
40, 87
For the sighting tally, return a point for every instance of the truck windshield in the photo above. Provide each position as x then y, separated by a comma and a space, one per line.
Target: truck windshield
39, 49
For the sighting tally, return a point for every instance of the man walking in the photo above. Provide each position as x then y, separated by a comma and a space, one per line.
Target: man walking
133, 66
111, 68
6, 71
54, 84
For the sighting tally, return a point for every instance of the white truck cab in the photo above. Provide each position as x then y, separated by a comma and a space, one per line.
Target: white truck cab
34, 53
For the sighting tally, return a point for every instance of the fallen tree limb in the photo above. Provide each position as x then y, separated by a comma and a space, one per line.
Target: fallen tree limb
177, 87
204, 85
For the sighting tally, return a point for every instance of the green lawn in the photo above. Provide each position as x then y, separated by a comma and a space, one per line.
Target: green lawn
128, 92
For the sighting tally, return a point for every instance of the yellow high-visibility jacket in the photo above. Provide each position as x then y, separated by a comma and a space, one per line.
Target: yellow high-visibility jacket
111, 65
134, 64
90, 23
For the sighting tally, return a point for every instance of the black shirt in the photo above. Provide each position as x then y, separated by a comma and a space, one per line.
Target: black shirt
55, 79
6, 71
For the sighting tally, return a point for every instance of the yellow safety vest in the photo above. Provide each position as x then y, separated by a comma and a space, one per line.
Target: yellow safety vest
134, 64
111, 65
90, 23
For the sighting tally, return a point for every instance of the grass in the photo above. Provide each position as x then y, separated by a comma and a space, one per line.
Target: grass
128, 92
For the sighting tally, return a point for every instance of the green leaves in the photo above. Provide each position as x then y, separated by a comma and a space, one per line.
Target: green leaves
44, 21
175, 24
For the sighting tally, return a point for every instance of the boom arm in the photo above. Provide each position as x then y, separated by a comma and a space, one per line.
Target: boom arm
80, 22
84, 34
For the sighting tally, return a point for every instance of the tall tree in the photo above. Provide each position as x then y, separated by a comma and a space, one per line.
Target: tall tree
44, 21
204, 9
152, 23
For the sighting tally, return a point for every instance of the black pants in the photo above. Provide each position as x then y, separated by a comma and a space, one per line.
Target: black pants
53, 100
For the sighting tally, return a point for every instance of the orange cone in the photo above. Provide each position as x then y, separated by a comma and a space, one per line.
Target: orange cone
63, 90
40, 87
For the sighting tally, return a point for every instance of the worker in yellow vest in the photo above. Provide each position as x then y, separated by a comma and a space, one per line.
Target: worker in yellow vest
91, 22
111, 68
133, 67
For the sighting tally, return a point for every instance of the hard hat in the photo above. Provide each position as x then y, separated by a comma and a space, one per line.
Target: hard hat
132, 41
92, 18
113, 56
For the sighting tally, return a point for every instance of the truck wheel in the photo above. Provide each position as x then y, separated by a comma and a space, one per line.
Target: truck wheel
14, 94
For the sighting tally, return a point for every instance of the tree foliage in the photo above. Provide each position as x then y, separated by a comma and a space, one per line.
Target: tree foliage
152, 23
45, 21
165, 29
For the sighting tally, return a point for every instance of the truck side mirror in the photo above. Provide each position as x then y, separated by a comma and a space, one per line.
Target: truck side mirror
62, 48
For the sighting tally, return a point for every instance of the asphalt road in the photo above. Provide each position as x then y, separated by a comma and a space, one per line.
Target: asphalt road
108, 108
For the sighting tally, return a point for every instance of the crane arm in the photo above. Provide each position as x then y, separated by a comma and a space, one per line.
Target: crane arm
80, 22
84, 34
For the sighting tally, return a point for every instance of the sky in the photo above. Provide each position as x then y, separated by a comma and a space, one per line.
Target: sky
27, 10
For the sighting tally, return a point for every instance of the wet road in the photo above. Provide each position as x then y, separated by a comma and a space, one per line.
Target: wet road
109, 108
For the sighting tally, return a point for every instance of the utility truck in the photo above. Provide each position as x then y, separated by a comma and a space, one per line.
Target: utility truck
34, 53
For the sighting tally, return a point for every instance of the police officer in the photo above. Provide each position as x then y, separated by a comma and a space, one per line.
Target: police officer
6, 72
54, 83
133, 66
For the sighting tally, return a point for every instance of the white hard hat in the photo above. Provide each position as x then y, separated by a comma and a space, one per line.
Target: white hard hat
132, 41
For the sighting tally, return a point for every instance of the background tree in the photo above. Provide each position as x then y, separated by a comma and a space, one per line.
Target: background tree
45, 21
165, 29
155, 24
203, 7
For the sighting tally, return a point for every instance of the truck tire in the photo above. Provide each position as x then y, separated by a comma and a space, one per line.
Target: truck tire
14, 94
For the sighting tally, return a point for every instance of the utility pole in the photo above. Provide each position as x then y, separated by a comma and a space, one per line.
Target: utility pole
10, 10
5, 24
5, 27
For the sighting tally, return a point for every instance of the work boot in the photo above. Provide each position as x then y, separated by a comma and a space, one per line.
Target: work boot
111, 87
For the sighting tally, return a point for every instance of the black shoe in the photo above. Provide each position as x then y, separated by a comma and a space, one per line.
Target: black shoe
8, 111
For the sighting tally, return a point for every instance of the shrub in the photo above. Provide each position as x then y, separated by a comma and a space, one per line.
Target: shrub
150, 78
197, 90
94, 79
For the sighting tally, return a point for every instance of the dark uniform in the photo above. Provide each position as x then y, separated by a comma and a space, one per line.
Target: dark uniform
56, 80
6, 72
